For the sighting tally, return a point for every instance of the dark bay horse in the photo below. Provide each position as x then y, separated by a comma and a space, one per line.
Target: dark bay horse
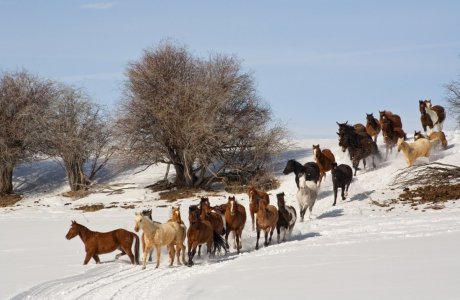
390, 135
372, 126
394, 119
105, 242
310, 170
342, 175
359, 146
235, 219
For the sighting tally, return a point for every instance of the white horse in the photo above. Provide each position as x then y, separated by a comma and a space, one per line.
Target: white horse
169, 234
306, 196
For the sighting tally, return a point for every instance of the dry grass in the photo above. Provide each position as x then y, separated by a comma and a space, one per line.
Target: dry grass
173, 195
9, 200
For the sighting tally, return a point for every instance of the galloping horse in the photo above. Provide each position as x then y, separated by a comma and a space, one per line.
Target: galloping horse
324, 159
235, 219
201, 232
287, 217
267, 217
169, 234
435, 138
372, 126
359, 146
342, 175
390, 134
419, 148
394, 119
254, 198
213, 216
431, 115
310, 170
105, 242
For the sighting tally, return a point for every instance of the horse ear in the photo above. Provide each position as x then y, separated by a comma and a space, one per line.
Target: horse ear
337, 123
346, 123
338, 133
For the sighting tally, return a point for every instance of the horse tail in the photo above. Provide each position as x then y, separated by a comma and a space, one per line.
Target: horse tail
219, 242
136, 249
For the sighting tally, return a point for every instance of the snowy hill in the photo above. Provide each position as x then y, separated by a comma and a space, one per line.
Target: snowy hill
355, 250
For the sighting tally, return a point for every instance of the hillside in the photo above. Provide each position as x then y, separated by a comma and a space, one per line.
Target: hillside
355, 250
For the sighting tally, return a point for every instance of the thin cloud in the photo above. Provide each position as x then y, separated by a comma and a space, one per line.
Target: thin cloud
98, 5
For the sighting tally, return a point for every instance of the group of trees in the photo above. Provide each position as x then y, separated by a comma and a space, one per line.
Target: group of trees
202, 116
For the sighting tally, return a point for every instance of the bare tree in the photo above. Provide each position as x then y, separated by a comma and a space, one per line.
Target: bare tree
202, 116
79, 134
24, 99
453, 98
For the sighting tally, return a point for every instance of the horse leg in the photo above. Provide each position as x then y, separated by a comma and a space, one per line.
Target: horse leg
127, 250
146, 252
266, 237
335, 195
96, 258
158, 250
343, 192
302, 213
199, 251
238, 241
191, 253
258, 236
120, 254
278, 227
172, 253
252, 220
346, 192
88, 256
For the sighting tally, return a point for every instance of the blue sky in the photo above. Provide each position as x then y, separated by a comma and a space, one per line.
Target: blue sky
315, 62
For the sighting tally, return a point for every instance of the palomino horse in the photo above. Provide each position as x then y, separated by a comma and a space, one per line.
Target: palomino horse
359, 146
169, 234
310, 170
147, 213
176, 217
390, 135
324, 158
372, 126
431, 115
105, 242
306, 196
419, 148
267, 217
201, 232
235, 219
286, 218
435, 138
254, 198
342, 175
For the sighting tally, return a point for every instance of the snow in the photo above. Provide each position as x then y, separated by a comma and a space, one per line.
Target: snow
354, 250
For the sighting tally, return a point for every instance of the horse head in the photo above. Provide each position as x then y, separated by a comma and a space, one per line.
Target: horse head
418, 135
175, 213
204, 204
147, 213
422, 106
231, 204
428, 103
316, 150
289, 167
138, 217
73, 231
193, 213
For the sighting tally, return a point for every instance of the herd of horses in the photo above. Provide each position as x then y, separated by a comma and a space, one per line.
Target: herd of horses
211, 225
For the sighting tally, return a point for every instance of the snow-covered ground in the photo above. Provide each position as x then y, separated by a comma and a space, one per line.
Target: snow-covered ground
355, 250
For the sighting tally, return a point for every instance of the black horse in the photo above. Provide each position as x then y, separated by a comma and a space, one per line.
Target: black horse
359, 145
341, 178
310, 169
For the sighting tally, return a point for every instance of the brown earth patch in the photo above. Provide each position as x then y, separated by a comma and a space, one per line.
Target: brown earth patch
173, 195
9, 200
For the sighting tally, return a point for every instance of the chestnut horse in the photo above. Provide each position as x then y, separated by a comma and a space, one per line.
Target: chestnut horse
372, 126
213, 216
254, 197
267, 218
105, 242
235, 219
394, 119
324, 158
431, 115
201, 232
390, 135
435, 138
310, 170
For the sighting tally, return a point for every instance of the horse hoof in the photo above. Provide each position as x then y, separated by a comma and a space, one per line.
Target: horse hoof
143, 267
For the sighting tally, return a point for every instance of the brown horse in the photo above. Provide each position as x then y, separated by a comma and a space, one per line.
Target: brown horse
390, 134
201, 232
213, 216
324, 158
435, 115
267, 218
436, 138
372, 126
105, 242
394, 119
424, 117
235, 219
254, 197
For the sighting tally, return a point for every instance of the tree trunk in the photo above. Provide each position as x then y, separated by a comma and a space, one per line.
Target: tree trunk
6, 179
76, 176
